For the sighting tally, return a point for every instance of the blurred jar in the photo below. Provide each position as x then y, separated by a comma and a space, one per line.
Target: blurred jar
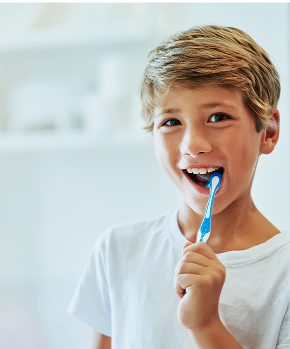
113, 101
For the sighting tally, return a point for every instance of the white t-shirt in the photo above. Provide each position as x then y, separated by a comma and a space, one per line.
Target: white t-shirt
127, 292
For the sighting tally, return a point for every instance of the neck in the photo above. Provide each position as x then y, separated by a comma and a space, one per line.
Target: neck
239, 226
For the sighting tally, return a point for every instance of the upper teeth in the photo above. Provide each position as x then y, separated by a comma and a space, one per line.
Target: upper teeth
201, 170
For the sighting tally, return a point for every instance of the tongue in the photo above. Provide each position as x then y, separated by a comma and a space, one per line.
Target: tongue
203, 179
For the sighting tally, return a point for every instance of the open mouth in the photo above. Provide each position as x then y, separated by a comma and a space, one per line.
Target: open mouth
201, 178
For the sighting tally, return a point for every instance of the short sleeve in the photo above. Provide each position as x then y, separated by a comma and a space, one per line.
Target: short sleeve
284, 335
91, 300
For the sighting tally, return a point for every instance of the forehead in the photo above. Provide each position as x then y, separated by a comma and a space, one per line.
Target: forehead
205, 97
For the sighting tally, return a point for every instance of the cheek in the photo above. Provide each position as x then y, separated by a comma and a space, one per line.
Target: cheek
166, 153
244, 154
159, 147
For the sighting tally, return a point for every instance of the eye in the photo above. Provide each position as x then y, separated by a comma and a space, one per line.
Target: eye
217, 117
171, 122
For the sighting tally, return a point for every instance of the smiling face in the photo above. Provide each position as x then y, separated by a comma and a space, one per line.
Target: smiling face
204, 129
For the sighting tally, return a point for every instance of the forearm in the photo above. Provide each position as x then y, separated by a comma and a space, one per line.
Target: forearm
214, 336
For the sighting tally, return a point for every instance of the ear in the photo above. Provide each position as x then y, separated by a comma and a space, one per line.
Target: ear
270, 135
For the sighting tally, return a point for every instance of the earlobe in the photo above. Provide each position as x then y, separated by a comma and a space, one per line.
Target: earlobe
270, 135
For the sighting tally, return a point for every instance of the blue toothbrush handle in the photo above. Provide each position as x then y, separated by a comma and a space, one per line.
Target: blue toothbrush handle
204, 230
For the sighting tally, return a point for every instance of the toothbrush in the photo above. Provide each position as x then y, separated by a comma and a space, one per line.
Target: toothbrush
204, 230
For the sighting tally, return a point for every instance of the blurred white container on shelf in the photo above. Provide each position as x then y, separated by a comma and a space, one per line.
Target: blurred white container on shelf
114, 95
44, 103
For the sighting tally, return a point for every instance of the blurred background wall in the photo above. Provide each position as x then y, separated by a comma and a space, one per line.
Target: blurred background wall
73, 156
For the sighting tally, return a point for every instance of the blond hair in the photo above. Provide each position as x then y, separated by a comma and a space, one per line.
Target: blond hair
212, 55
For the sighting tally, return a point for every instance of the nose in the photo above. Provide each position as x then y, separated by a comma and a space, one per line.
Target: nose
195, 141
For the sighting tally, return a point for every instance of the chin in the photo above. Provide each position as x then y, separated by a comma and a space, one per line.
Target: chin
197, 207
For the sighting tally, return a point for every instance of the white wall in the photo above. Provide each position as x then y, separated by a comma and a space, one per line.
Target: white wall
55, 203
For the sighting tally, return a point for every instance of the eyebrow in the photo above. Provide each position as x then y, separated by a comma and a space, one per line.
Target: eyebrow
207, 105
168, 111
217, 104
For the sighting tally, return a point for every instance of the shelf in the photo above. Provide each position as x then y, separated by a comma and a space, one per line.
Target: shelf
50, 46
54, 39
53, 141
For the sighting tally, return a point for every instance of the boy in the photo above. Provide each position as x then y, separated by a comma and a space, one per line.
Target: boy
209, 97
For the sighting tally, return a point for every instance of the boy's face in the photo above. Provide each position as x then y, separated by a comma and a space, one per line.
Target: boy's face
207, 128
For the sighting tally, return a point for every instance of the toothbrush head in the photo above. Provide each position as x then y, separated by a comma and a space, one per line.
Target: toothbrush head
215, 181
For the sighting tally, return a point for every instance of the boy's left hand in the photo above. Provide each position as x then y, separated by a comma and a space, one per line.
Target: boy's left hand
203, 276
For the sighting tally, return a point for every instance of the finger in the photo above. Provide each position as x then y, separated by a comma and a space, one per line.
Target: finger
188, 243
193, 257
178, 290
201, 248
183, 281
190, 268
